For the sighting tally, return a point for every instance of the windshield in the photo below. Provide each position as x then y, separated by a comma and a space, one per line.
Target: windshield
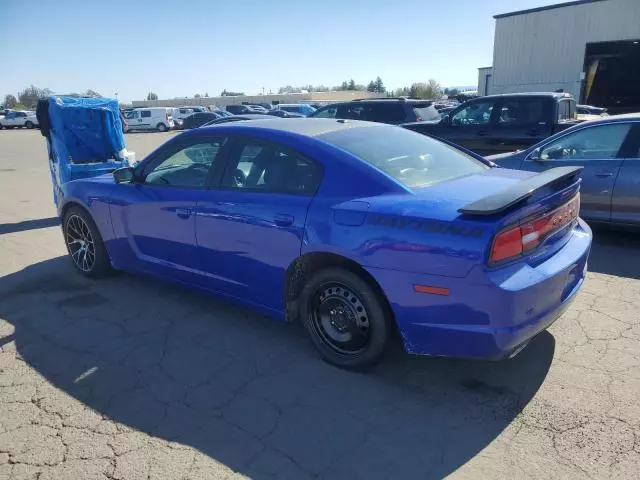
412, 159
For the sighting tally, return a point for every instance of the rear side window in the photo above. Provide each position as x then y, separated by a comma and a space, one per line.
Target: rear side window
352, 111
145, 113
384, 112
521, 111
412, 159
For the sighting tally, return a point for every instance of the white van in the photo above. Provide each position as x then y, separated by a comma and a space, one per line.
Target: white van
151, 118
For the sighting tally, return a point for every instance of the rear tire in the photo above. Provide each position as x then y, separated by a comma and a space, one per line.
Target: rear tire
29, 125
161, 127
347, 321
84, 243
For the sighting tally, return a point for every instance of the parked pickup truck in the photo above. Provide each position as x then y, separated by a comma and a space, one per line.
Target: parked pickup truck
503, 123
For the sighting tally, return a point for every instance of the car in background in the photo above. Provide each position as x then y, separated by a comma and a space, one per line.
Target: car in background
464, 259
237, 118
383, 110
587, 112
19, 119
503, 123
284, 114
198, 119
608, 151
150, 118
590, 110
299, 108
244, 109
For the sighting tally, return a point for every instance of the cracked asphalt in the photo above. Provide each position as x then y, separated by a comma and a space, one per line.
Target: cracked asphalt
129, 378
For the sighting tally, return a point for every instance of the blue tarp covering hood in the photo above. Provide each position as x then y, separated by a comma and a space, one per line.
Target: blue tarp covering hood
86, 130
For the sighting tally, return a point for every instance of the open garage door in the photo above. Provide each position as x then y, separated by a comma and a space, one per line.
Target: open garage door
613, 76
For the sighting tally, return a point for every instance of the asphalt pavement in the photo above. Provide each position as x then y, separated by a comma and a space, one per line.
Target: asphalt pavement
128, 378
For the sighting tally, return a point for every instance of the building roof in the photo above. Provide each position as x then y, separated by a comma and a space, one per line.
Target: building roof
547, 7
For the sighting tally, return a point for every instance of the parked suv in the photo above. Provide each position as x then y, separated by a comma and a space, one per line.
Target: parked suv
14, 119
503, 123
383, 110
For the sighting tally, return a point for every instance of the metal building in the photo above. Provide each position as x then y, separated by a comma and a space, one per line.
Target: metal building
589, 48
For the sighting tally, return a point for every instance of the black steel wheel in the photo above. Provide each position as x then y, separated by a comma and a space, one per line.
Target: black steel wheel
161, 127
84, 243
29, 124
347, 320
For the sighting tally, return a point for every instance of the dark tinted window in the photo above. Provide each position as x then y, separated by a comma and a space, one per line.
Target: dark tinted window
384, 112
600, 142
412, 159
521, 111
266, 168
352, 111
145, 113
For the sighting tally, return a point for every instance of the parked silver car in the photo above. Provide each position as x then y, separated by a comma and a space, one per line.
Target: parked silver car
608, 149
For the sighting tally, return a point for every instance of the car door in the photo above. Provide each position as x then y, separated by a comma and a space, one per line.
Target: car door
134, 121
470, 126
520, 123
625, 204
251, 228
144, 121
11, 119
154, 216
597, 149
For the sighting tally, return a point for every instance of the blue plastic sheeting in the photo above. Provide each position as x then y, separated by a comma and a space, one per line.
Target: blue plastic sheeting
85, 138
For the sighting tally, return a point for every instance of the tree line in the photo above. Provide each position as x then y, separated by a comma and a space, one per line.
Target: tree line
28, 98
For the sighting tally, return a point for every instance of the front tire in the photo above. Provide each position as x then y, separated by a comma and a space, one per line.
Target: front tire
29, 125
347, 320
161, 127
84, 243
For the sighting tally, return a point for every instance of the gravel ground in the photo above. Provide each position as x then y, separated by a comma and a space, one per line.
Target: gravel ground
129, 378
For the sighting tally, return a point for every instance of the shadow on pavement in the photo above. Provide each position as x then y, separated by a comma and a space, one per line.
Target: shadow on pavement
251, 393
29, 225
615, 252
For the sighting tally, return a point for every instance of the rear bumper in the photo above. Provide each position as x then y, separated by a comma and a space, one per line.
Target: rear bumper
490, 313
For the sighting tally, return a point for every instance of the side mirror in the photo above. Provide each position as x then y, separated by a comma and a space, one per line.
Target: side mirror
124, 175
535, 155
446, 120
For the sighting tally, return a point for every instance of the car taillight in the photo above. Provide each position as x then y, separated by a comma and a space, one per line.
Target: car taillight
529, 234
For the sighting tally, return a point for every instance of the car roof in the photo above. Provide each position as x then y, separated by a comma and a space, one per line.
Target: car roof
311, 127
529, 94
626, 117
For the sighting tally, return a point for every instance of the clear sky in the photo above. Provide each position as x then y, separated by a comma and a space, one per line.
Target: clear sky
181, 47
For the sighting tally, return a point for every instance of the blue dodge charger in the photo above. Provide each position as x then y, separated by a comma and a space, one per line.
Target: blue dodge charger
355, 229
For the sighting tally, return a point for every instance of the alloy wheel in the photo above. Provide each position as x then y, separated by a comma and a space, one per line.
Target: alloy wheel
80, 243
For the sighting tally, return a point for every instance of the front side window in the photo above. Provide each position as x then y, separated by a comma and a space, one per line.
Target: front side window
145, 114
412, 159
326, 112
477, 113
189, 167
594, 143
267, 168
353, 111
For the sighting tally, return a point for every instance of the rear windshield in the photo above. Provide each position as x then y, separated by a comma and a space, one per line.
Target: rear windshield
412, 159
426, 111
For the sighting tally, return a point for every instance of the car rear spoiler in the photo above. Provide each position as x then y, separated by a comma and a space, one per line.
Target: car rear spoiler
508, 197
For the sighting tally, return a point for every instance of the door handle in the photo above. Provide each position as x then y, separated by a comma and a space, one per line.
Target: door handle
533, 133
482, 133
283, 220
183, 212
604, 174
